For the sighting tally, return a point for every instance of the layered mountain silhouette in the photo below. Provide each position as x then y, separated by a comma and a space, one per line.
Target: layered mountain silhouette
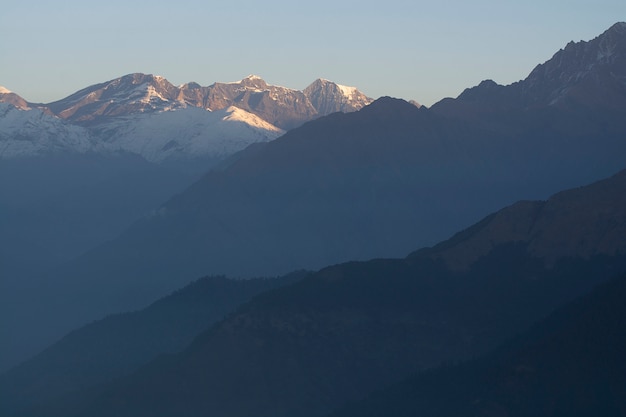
378, 182
117, 345
347, 330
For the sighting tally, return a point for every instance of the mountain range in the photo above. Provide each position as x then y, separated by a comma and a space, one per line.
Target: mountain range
148, 116
377, 182
319, 341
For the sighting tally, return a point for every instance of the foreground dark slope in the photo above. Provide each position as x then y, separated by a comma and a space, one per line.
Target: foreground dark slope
375, 183
119, 344
571, 364
353, 328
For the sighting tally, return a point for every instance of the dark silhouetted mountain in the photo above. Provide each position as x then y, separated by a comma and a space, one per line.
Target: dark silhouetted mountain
353, 328
115, 346
584, 79
571, 364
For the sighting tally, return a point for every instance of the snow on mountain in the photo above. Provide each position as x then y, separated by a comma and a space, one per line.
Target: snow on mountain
8, 96
144, 93
147, 115
283, 107
186, 133
34, 133
328, 97
250, 79
133, 93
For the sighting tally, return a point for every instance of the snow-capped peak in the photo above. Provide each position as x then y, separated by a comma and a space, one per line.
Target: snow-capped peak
329, 97
235, 114
347, 91
4, 90
250, 77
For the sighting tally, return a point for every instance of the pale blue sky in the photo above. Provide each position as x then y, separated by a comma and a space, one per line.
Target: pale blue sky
422, 50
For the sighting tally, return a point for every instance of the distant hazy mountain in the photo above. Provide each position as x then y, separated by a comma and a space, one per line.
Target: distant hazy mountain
353, 328
571, 363
117, 345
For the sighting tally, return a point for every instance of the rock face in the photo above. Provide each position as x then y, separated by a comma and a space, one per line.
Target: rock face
283, 107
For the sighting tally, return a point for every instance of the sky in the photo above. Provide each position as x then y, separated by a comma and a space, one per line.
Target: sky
420, 50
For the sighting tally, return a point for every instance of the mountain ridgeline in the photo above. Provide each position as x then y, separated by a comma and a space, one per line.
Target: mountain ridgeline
147, 93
